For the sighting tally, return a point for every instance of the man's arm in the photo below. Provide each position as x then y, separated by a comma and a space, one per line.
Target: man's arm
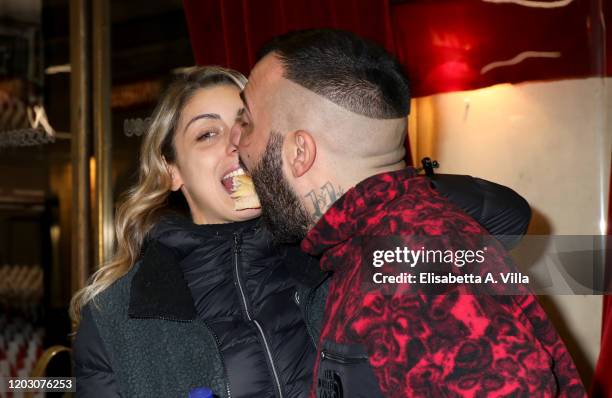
499, 209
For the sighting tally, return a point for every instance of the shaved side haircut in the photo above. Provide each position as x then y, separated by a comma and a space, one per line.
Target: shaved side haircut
354, 73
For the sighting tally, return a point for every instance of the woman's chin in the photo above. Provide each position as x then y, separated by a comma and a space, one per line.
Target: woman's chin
246, 214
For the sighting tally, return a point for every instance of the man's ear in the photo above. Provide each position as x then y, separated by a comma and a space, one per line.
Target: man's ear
302, 154
175, 175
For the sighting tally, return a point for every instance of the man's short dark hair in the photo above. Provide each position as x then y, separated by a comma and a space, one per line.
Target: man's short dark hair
353, 72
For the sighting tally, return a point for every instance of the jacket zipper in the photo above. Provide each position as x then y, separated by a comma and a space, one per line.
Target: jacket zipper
163, 318
343, 359
237, 274
248, 315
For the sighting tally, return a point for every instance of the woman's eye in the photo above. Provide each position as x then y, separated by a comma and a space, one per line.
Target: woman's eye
207, 135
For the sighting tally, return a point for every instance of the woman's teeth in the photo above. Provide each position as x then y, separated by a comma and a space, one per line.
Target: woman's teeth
234, 173
228, 180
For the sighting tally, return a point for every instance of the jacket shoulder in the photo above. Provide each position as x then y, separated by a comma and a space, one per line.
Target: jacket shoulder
114, 299
109, 304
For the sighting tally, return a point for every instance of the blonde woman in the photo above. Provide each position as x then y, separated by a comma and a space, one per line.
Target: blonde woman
205, 299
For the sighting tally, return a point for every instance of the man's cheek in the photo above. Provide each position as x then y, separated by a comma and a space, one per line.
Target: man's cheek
246, 134
249, 154
244, 142
247, 158
244, 150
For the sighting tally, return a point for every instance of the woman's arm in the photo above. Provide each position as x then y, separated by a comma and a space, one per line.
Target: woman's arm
500, 210
92, 369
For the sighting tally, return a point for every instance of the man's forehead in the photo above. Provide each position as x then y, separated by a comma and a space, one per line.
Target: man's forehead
269, 67
266, 73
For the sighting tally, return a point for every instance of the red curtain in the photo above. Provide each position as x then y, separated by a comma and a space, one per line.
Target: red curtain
230, 32
465, 45
444, 45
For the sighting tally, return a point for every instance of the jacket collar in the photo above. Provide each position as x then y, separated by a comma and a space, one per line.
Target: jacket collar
351, 213
158, 288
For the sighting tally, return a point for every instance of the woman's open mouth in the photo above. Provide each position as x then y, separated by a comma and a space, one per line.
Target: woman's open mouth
228, 180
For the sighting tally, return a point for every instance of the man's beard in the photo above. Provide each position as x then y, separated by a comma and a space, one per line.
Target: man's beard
281, 209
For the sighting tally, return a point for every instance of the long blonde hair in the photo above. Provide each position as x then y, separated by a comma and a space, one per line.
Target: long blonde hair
145, 202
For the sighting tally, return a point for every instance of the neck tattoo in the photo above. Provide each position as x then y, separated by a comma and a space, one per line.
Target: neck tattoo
324, 199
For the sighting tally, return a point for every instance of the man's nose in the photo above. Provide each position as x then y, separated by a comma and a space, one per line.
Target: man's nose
235, 134
232, 143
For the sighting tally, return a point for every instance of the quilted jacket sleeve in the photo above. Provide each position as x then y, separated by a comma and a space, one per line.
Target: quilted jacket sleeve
92, 368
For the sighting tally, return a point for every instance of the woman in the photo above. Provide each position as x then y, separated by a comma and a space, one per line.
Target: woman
204, 300
158, 341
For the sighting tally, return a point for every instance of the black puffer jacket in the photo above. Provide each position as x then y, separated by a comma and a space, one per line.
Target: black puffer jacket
241, 290
139, 340
245, 294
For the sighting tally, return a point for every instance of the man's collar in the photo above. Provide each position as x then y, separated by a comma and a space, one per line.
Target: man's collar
348, 214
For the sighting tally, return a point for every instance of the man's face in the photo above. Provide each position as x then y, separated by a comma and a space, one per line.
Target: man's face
260, 150
252, 129
282, 211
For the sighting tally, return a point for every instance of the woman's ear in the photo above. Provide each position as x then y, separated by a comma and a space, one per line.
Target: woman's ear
302, 154
175, 175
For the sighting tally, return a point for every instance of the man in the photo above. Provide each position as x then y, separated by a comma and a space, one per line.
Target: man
322, 136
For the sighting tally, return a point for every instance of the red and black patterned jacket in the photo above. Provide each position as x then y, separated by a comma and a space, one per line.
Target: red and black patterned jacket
379, 340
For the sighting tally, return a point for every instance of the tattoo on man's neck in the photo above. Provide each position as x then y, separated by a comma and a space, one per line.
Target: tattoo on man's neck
323, 200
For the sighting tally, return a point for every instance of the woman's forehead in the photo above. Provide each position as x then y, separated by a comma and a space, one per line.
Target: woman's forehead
222, 100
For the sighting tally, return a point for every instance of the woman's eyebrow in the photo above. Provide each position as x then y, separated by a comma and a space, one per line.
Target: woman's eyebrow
213, 116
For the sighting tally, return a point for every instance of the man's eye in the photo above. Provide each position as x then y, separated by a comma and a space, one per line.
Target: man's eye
207, 135
245, 126
242, 122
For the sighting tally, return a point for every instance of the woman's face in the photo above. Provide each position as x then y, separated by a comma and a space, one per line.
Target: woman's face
205, 157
